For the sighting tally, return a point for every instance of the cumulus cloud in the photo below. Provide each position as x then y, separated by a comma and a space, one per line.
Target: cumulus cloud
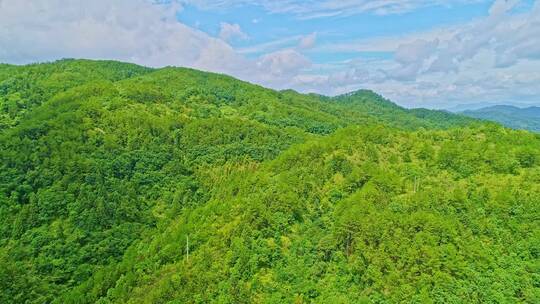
412, 58
509, 37
414, 51
283, 63
230, 31
44, 30
499, 33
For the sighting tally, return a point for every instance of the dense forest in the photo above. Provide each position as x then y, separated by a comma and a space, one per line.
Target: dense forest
126, 184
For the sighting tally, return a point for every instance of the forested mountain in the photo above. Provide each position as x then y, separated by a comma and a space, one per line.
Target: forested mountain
125, 184
510, 116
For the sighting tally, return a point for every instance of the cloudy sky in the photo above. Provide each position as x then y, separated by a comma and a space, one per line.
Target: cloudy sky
419, 53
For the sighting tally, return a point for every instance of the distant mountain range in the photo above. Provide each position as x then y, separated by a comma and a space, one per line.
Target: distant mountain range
510, 116
481, 105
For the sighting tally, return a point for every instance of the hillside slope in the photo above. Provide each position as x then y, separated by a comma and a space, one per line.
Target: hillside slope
510, 116
107, 169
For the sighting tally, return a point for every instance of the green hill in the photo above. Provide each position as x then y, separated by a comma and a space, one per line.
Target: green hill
124, 184
510, 116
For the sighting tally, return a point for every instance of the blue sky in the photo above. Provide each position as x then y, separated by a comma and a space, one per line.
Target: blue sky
262, 26
419, 53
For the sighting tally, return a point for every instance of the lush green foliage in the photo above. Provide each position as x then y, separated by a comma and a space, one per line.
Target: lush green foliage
107, 169
510, 116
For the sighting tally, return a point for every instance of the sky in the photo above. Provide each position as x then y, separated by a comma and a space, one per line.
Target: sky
418, 53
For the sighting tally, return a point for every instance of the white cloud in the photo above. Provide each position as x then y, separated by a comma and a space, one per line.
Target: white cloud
149, 34
336, 82
308, 41
410, 52
284, 63
411, 58
230, 31
500, 7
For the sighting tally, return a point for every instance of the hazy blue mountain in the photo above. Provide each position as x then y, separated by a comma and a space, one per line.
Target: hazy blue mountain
481, 105
468, 107
510, 116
